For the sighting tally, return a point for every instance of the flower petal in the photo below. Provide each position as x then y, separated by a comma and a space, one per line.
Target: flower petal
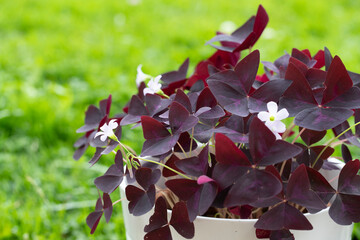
264, 116
148, 90
282, 114
113, 124
103, 138
272, 107
278, 126
98, 134
278, 137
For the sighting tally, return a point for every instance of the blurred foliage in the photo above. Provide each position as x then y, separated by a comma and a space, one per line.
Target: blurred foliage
59, 56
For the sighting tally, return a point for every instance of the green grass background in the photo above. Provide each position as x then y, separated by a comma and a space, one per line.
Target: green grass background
59, 56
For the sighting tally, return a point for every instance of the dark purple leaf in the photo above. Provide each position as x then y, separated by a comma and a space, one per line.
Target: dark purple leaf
234, 101
153, 129
349, 180
180, 118
93, 219
315, 77
155, 104
283, 216
171, 162
202, 199
345, 209
108, 207
175, 76
183, 188
160, 233
349, 99
136, 110
227, 152
283, 234
245, 36
260, 139
299, 95
246, 70
183, 99
337, 81
253, 186
185, 142
146, 177
156, 147
140, 202
310, 136
320, 119
110, 180
206, 99
279, 152
119, 160
299, 191
269, 91
180, 221
226, 174
195, 166
159, 217
346, 154
92, 118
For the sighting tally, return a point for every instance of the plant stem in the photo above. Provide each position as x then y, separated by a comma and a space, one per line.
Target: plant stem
335, 138
301, 132
182, 149
163, 165
288, 131
191, 141
117, 201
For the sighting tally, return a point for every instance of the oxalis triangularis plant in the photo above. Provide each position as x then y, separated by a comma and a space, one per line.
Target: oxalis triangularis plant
217, 140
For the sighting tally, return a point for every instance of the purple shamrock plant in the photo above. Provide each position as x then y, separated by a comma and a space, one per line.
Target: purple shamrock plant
217, 142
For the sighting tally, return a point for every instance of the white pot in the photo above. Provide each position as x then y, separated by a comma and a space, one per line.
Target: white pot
208, 228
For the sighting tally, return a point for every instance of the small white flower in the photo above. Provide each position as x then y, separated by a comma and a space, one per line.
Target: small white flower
273, 117
141, 76
153, 85
107, 130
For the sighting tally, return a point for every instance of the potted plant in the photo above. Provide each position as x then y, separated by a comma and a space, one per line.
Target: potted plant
216, 147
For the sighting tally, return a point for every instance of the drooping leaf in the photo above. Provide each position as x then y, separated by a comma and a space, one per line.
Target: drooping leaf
110, 180
346, 154
159, 217
345, 209
146, 177
180, 221
108, 207
245, 36
283, 216
140, 201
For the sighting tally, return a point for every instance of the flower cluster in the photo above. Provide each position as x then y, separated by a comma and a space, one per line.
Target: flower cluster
218, 140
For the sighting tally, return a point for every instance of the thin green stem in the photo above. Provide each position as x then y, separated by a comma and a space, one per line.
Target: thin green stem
163, 165
191, 141
331, 141
182, 149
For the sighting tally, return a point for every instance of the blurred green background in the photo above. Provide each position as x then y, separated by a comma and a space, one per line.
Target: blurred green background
59, 56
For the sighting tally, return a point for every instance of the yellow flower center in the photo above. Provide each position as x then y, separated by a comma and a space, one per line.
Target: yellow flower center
272, 118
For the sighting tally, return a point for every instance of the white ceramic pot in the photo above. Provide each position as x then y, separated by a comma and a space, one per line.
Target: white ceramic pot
207, 228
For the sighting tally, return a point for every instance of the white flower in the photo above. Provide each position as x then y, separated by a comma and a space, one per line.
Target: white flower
140, 76
273, 118
107, 130
153, 86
